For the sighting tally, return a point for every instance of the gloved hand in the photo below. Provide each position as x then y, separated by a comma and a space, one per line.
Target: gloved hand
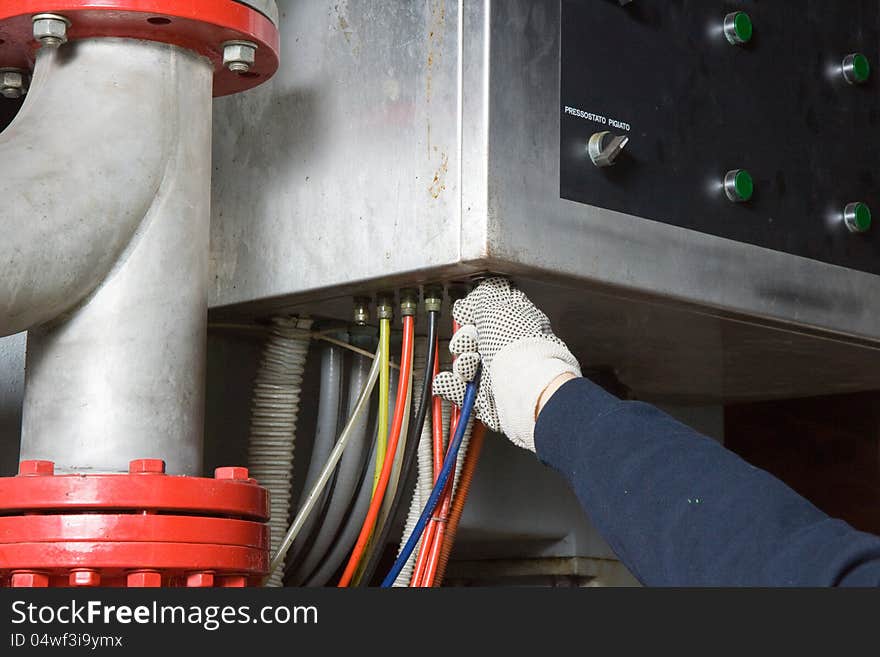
520, 355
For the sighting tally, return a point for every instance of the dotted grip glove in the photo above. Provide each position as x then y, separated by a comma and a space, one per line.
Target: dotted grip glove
501, 327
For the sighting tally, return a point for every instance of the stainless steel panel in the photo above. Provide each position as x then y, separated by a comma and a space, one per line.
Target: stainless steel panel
403, 143
532, 229
345, 166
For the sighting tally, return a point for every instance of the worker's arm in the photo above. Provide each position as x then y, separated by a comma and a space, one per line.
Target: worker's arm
676, 507
680, 510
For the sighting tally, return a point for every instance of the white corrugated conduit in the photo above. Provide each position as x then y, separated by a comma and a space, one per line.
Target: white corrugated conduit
274, 412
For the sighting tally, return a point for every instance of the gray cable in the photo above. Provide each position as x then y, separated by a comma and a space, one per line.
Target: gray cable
352, 528
347, 478
315, 493
325, 434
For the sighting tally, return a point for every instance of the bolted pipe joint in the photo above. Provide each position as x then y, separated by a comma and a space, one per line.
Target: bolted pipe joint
13, 82
239, 56
51, 29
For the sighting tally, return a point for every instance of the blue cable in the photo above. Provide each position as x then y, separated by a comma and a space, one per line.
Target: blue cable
467, 407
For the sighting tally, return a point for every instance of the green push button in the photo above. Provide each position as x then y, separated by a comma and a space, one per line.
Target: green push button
856, 68
739, 185
857, 217
738, 28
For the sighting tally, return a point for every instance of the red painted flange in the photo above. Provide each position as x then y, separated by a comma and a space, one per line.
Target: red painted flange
199, 25
143, 528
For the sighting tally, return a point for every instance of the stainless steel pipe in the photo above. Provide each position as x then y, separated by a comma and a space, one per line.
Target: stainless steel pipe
106, 172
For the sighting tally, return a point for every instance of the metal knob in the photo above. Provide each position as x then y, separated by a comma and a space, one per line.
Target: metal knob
604, 148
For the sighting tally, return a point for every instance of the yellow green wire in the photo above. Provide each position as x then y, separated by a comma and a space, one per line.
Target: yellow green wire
384, 396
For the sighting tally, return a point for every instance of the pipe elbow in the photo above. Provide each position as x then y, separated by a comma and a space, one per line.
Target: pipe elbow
80, 167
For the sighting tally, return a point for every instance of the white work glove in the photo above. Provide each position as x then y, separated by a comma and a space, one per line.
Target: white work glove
520, 355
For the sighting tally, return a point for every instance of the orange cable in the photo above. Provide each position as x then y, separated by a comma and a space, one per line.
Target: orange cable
437, 434
438, 520
406, 361
471, 460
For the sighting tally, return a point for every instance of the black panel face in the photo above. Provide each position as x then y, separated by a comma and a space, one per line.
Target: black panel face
695, 106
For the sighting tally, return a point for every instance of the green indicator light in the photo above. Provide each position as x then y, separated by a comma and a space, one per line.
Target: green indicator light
856, 68
738, 28
739, 186
857, 217
745, 186
743, 26
861, 67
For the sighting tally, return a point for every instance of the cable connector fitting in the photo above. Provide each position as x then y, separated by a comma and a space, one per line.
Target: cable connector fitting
385, 306
433, 298
409, 302
361, 311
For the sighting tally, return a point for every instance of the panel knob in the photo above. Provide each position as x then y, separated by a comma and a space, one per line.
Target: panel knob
604, 148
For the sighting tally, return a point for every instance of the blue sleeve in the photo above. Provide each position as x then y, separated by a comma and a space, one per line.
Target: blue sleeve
680, 510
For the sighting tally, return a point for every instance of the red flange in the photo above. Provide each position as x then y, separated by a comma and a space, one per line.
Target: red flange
199, 25
140, 529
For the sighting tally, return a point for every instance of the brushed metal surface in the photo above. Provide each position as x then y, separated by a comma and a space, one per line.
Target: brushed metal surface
403, 143
121, 375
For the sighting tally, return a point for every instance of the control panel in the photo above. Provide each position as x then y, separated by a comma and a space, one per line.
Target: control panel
757, 122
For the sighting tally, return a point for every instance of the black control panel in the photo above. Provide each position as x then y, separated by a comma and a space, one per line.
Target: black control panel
753, 121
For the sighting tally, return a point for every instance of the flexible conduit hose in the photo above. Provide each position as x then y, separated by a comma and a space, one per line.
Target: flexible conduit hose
274, 411
330, 393
441, 515
440, 419
438, 449
347, 477
375, 504
352, 527
315, 493
424, 476
449, 463
471, 459
426, 365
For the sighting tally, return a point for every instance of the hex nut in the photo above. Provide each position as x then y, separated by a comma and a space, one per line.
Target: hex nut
143, 579
232, 474
146, 466
51, 29
13, 83
203, 580
239, 56
36, 469
29, 580
84, 578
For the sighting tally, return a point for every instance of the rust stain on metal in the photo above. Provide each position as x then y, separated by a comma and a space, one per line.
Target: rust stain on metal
438, 185
436, 30
345, 27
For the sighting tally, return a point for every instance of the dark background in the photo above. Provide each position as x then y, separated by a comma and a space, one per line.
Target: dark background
699, 107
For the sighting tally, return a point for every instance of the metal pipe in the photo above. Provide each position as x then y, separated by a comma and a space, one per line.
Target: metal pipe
109, 166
